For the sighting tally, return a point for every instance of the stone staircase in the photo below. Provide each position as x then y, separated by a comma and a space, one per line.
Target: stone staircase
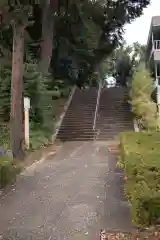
77, 124
114, 115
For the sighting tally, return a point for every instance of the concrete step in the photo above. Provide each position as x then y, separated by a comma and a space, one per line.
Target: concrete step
77, 138
78, 121
114, 114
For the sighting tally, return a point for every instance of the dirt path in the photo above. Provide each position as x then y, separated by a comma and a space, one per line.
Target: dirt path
69, 196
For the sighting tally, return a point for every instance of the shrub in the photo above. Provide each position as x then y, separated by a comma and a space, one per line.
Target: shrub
140, 160
142, 105
8, 170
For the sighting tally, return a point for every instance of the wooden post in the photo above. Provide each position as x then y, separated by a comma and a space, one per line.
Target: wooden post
26, 121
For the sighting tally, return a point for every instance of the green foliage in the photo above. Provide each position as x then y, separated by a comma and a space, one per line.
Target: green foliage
4, 136
139, 54
140, 160
36, 88
123, 67
142, 83
8, 171
142, 105
39, 138
43, 92
3, 3
8, 167
89, 31
5, 96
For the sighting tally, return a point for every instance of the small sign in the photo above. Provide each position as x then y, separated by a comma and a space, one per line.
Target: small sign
26, 103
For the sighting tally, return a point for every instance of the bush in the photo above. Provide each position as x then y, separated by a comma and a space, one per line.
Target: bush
140, 159
142, 105
8, 170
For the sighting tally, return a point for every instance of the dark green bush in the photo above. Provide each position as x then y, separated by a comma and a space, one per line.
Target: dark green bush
140, 159
8, 170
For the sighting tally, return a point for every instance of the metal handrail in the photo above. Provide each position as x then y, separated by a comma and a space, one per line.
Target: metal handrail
97, 105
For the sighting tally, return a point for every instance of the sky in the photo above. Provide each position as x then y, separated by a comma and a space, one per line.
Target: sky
139, 29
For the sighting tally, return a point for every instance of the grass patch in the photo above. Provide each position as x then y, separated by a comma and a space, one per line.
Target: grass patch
140, 159
39, 138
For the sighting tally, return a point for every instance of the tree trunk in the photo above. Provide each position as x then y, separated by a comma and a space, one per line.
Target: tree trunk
17, 131
47, 34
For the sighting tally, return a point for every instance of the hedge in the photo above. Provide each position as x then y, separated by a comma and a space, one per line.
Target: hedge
140, 159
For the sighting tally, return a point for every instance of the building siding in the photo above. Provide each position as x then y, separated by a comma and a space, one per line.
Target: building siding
156, 55
155, 21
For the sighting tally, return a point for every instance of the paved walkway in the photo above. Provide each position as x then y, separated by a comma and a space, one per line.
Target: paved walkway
69, 196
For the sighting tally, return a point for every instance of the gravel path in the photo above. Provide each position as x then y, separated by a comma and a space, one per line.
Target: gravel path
71, 195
